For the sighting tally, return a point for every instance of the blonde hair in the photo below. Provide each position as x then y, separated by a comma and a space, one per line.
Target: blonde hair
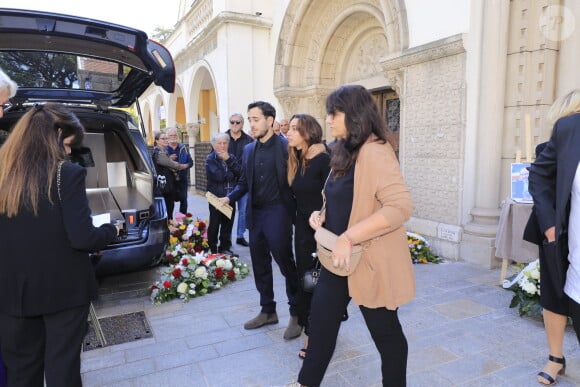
565, 106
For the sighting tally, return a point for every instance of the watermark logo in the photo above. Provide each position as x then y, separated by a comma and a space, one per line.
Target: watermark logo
557, 22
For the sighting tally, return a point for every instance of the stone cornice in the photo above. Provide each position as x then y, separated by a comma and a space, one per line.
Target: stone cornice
452, 45
302, 91
210, 31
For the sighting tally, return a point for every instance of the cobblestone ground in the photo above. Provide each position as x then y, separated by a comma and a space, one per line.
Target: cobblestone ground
460, 329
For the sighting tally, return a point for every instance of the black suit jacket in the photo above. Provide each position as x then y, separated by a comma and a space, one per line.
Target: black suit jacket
245, 184
44, 260
532, 232
552, 174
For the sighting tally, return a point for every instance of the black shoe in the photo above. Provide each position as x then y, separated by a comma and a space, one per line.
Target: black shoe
549, 378
227, 251
242, 241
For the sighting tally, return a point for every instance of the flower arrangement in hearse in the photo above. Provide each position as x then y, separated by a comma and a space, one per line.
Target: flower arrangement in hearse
186, 237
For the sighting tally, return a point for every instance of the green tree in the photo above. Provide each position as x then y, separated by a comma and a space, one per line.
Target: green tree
50, 70
161, 33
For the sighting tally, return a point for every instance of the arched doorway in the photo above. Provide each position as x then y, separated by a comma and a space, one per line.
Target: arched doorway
327, 43
388, 102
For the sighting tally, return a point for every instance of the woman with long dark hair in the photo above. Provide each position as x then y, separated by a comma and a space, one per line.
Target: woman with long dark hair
47, 280
308, 168
556, 193
367, 203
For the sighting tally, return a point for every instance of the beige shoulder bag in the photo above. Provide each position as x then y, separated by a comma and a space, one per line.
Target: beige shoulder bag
325, 241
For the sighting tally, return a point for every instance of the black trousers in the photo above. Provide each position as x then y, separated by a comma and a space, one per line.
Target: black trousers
304, 246
220, 227
181, 195
271, 236
46, 346
170, 204
328, 304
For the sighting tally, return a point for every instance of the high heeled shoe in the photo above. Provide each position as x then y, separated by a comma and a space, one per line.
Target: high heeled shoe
552, 379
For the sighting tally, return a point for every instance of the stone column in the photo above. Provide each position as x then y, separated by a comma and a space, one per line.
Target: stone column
192, 131
486, 130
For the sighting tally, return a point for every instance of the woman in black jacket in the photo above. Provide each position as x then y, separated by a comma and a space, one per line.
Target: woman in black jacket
556, 196
168, 169
46, 232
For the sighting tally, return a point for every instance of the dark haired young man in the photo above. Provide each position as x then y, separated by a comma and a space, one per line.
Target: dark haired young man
268, 215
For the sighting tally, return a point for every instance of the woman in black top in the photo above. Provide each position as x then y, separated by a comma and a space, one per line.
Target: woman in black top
46, 232
308, 168
168, 168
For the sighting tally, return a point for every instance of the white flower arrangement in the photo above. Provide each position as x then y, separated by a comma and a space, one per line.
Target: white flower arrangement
194, 276
526, 286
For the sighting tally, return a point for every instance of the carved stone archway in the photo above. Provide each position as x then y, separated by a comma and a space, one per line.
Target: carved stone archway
326, 43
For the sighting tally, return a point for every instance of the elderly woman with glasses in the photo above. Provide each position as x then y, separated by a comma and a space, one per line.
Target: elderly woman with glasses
7, 90
168, 169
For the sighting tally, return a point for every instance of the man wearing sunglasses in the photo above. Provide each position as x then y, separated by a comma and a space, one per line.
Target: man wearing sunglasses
238, 140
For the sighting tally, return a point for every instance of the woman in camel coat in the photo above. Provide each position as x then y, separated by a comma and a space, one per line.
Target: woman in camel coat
367, 203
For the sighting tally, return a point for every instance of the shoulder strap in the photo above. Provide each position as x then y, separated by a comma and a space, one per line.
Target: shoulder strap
323, 209
58, 170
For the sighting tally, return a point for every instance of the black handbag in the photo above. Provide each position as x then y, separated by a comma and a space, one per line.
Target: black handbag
311, 276
166, 178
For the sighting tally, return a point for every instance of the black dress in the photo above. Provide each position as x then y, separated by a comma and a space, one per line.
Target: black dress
307, 189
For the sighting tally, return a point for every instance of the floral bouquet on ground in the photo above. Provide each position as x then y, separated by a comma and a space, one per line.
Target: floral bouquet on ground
526, 288
191, 271
420, 249
186, 237
197, 275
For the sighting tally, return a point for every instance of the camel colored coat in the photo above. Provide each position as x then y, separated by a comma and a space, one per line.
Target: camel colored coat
384, 276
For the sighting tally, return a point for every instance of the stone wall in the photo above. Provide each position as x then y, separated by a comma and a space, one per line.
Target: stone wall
530, 85
432, 93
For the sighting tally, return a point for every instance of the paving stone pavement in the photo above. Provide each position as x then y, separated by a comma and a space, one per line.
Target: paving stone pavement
460, 330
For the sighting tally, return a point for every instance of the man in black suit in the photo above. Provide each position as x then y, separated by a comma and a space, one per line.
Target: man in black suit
268, 215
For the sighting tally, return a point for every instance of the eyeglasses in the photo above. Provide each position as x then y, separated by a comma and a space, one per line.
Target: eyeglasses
235, 122
6, 106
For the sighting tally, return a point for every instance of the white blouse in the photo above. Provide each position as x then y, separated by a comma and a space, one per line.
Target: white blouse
572, 287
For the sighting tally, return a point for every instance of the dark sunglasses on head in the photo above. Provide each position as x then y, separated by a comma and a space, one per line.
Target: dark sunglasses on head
235, 122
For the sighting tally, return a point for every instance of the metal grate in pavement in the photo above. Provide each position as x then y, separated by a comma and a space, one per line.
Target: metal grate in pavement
118, 330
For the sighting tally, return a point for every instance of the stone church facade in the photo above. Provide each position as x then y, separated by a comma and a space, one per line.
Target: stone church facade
457, 104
